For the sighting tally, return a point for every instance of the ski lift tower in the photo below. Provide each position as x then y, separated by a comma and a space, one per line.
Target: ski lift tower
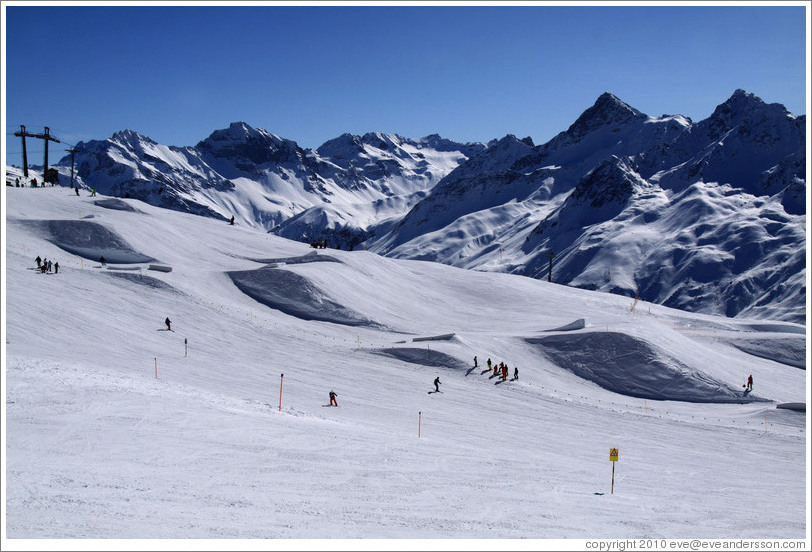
44, 136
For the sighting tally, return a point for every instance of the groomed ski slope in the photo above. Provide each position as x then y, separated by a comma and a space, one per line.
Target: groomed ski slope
97, 446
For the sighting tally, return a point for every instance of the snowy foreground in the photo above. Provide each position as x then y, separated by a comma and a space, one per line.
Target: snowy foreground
117, 429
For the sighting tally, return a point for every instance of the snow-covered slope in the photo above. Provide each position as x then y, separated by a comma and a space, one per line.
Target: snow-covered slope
117, 428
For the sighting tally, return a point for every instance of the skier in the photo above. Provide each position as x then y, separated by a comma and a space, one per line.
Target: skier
474, 361
44, 266
750, 382
168, 323
77, 190
489, 365
56, 268
232, 220
50, 266
516, 373
102, 261
437, 384
333, 398
39, 261
504, 372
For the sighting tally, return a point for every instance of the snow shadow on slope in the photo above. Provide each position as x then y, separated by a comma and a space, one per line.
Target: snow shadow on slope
295, 295
579, 324
141, 280
89, 240
312, 257
424, 357
116, 205
790, 351
630, 366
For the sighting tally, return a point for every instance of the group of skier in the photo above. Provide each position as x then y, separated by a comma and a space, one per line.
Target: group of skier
45, 266
500, 370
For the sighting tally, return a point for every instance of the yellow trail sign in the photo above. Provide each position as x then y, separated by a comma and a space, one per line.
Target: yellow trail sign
613, 454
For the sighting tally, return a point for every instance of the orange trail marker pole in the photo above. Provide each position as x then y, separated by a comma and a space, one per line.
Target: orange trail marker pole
281, 378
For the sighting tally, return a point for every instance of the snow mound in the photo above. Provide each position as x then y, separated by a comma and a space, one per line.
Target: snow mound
116, 204
631, 366
295, 295
790, 351
579, 324
140, 279
423, 357
312, 257
777, 327
89, 240
444, 337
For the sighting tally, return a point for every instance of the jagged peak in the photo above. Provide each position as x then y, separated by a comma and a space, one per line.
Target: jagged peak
740, 101
741, 107
128, 136
607, 109
242, 133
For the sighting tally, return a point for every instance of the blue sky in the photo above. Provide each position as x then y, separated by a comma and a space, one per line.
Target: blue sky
308, 73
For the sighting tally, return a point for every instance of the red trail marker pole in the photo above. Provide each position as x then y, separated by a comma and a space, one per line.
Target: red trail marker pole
281, 378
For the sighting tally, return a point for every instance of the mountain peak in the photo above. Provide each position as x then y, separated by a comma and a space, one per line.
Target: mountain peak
740, 101
607, 110
743, 108
130, 137
242, 141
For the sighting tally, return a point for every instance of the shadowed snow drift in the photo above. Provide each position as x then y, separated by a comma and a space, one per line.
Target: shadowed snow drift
630, 366
312, 257
141, 280
116, 204
788, 350
424, 357
89, 240
295, 295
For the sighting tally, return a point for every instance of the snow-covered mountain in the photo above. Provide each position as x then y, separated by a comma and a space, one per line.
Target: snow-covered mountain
707, 216
116, 428
344, 187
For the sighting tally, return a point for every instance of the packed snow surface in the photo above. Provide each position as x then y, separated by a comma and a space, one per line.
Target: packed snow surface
116, 428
